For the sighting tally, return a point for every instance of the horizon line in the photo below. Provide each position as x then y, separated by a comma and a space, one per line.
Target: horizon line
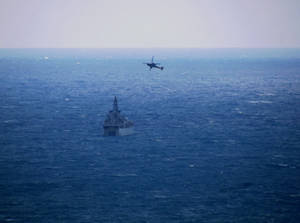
296, 47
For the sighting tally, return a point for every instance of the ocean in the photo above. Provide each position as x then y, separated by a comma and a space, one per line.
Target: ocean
217, 136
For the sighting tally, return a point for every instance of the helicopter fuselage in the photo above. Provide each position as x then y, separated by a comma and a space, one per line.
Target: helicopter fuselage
154, 65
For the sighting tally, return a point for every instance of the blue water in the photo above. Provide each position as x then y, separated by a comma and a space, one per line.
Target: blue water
217, 136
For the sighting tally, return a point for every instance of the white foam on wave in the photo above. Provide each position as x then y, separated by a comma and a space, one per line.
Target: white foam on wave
11, 121
283, 164
238, 110
125, 175
266, 94
260, 102
295, 195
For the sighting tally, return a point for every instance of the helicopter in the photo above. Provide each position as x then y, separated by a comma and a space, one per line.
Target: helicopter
154, 65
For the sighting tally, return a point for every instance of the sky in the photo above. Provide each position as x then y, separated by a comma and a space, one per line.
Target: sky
149, 23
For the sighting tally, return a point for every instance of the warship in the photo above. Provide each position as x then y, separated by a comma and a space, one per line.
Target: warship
116, 124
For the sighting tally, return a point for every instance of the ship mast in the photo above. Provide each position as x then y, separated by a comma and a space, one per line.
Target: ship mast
115, 106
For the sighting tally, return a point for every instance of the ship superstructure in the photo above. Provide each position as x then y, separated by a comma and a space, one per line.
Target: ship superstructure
116, 124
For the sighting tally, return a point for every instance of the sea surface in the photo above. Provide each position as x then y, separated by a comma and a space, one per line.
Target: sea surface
217, 136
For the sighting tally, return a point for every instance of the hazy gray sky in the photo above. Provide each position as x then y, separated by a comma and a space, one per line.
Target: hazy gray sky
149, 23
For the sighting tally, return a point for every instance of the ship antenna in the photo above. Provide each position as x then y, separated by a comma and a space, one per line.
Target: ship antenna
115, 108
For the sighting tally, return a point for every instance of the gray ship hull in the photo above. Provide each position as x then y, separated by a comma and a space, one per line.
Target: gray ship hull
126, 131
117, 131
